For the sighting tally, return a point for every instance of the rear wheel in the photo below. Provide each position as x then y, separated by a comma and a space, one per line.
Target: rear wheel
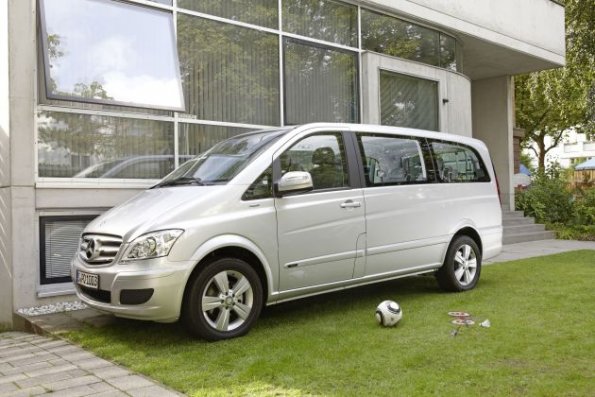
224, 300
462, 265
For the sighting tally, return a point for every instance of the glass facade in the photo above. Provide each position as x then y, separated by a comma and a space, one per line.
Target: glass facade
257, 12
93, 146
196, 138
134, 62
125, 96
407, 101
322, 19
320, 84
396, 37
230, 73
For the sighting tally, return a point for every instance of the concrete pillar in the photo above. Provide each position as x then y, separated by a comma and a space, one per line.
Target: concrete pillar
6, 303
18, 271
492, 102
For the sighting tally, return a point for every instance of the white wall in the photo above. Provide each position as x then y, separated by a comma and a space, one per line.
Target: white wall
455, 115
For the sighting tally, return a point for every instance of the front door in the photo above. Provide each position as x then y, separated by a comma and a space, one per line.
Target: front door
318, 230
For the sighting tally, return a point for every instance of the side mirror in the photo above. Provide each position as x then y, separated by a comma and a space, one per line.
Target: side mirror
294, 182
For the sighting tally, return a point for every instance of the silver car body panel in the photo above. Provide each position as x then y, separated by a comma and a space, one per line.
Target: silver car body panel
306, 244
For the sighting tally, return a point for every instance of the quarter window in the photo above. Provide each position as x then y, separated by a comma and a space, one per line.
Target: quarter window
391, 160
323, 156
262, 187
458, 163
110, 52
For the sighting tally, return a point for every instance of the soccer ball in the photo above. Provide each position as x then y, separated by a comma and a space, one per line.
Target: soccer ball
388, 313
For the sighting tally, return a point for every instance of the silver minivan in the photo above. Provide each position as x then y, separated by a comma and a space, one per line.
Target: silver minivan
275, 215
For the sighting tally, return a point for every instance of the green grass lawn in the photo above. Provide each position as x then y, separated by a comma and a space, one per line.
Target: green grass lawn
541, 342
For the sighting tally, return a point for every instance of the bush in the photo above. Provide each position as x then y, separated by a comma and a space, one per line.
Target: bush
584, 207
570, 213
548, 199
573, 232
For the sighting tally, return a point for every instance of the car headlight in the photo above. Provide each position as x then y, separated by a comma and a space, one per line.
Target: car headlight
152, 245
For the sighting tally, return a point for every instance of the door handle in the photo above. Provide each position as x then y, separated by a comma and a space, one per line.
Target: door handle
351, 204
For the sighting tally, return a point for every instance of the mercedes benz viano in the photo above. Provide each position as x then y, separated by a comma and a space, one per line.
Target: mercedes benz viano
280, 214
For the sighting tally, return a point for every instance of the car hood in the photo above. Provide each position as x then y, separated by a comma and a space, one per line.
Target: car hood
154, 209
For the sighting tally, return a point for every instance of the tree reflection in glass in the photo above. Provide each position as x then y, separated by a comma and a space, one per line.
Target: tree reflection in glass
229, 73
320, 84
92, 146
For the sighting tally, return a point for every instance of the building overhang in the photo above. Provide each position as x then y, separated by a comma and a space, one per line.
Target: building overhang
499, 38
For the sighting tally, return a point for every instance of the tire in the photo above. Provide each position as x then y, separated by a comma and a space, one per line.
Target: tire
462, 265
223, 301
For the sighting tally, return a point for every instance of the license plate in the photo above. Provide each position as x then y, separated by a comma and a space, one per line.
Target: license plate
87, 280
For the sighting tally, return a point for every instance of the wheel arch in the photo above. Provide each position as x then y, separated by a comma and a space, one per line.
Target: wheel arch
236, 247
468, 231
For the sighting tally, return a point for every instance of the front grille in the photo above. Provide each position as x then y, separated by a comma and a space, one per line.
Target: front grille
99, 249
97, 294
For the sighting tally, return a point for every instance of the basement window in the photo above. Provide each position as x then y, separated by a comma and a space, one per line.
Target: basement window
110, 52
59, 239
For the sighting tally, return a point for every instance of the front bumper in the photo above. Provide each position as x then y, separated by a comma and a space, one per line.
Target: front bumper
149, 289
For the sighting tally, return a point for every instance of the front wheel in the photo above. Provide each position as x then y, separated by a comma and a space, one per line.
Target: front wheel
462, 265
223, 301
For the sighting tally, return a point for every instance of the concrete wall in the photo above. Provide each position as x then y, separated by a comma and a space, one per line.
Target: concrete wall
22, 64
492, 106
5, 202
535, 27
455, 115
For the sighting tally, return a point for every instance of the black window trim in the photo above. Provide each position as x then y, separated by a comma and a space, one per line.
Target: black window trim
43, 220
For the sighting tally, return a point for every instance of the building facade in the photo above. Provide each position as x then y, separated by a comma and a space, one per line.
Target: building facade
101, 98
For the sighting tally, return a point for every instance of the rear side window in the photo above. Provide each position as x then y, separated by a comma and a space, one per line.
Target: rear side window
391, 160
456, 163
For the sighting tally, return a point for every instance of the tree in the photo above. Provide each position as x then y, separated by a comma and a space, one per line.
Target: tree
551, 102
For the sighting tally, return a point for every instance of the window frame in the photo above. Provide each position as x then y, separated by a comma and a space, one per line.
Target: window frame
44, 59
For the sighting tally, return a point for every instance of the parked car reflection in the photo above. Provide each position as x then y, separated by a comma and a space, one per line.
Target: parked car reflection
137, 167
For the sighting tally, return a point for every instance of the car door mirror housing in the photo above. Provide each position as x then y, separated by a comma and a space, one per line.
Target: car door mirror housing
294, 182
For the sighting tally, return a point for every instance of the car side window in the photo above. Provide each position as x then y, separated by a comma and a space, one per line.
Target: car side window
323, 156
391, 160
262, 187
457, 163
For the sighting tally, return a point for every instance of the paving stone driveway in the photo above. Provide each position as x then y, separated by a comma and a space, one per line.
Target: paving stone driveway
33, 365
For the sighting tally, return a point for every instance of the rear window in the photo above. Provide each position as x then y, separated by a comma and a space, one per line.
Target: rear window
457, 163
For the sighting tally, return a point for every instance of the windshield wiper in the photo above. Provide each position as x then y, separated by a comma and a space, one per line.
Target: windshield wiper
183, 180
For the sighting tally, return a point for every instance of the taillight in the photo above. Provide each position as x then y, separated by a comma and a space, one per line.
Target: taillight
497, 183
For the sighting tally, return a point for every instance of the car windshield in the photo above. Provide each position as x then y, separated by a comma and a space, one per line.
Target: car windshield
223, 161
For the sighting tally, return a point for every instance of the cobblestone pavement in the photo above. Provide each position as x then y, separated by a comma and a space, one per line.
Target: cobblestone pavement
33, 365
